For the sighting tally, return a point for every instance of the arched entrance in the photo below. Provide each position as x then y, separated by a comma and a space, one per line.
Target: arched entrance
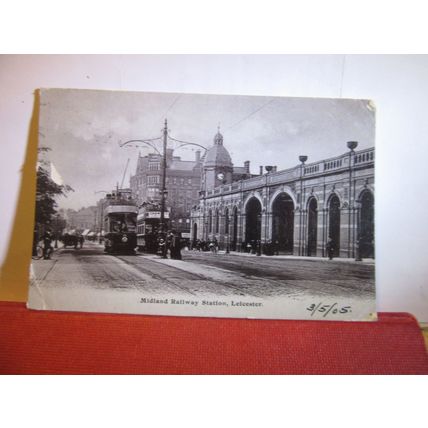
283, 223
195, 234
334, 223
312, 227
253, 220
366, 232
235, 228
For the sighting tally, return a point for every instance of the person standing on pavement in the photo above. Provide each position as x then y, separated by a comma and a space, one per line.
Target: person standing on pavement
330, 247
176, 247
47, 245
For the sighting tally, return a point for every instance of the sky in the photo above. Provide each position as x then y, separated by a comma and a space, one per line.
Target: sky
85, 129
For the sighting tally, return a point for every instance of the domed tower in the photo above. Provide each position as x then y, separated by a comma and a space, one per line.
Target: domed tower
218, 166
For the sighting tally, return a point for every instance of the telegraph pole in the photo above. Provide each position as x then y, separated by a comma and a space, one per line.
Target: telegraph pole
163, 195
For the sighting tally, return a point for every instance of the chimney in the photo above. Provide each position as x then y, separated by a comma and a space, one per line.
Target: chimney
198, 156
261, 169
247, 166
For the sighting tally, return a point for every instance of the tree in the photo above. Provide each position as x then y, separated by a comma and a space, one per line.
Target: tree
46, 192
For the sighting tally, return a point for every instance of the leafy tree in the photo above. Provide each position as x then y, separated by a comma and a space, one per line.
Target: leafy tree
46, 192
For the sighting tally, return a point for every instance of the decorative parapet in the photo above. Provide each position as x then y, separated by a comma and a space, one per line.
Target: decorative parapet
326, 166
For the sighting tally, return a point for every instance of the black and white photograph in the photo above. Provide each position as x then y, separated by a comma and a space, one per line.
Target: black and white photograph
205, 205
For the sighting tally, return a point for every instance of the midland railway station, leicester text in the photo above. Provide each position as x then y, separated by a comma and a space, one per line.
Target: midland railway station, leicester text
172, 301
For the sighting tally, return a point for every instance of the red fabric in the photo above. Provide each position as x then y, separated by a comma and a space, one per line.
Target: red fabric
38, 342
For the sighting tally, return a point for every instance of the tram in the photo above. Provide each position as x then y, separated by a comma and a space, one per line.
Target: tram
120, 223
148, 227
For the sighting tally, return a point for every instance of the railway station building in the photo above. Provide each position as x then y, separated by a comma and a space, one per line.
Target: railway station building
297, 209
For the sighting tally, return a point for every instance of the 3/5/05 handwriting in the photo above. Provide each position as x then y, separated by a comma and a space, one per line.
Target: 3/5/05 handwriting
333, 308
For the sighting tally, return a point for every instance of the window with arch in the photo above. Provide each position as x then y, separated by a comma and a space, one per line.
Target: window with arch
217, 221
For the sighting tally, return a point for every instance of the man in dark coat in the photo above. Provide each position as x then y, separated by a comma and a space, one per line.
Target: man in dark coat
330, 247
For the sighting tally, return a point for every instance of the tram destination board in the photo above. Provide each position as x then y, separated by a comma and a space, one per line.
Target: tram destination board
205, 205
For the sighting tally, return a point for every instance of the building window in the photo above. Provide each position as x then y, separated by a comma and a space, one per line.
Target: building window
217, 221
154, 166
153, 179
189, 181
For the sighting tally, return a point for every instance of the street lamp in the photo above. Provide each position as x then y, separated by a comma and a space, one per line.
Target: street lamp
302, 159
352, 145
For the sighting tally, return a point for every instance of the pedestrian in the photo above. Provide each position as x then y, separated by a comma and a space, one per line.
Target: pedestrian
176, 247
47, 245
330, 247
162, 250
276, 247
169, 243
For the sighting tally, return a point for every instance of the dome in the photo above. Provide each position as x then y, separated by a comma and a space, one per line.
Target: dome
217, 155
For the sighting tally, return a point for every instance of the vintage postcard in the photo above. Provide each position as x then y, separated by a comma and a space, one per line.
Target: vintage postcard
205, 205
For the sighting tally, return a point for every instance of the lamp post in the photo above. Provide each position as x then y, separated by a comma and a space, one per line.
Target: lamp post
302, 159
358, 241
163, 190
352, 145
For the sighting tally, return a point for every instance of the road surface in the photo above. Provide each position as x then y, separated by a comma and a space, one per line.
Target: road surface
200, 274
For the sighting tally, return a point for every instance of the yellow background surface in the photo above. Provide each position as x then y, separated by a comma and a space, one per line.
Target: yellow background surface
14, 274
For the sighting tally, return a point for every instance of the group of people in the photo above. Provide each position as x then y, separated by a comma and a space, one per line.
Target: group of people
201, 245
170, 244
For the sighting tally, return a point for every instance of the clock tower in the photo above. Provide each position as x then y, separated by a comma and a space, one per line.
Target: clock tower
218, 166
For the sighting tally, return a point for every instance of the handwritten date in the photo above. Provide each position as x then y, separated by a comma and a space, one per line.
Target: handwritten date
333, 308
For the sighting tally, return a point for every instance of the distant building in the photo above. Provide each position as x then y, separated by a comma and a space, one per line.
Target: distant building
183, 183
83, 219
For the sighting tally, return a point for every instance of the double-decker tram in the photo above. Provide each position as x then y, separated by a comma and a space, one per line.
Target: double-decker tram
148, 227
120, 223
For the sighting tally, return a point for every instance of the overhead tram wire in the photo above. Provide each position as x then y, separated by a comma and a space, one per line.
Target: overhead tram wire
251, 114
186, 143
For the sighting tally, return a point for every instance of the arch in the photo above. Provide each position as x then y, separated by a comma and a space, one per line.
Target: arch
334, 222
366, 224
282, 189
283, 222
312, 225
253, 220
249, 197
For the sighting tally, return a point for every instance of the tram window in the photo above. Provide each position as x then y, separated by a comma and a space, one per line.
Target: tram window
121, 222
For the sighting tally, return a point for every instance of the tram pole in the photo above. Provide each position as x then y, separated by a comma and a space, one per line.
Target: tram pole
163, 195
